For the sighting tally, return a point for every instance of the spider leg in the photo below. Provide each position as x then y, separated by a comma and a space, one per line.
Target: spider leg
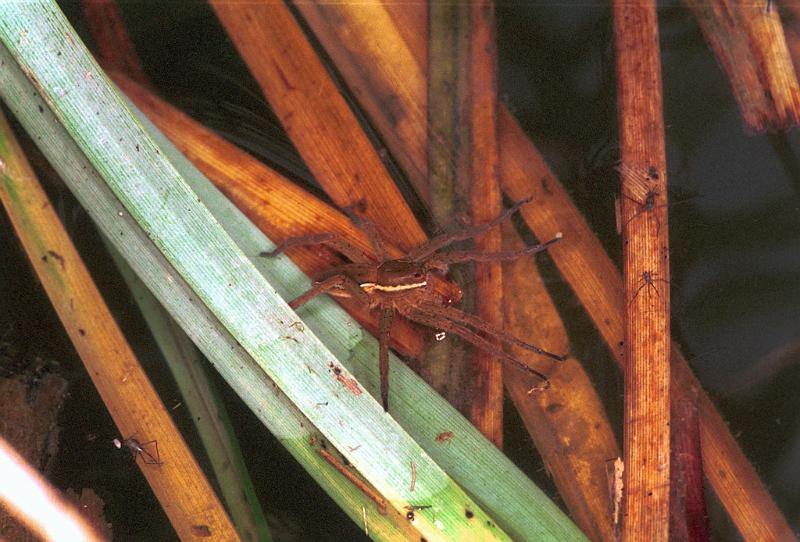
336, 282
368, 226
645, 209
429, 319
639, 289
434, 244
387, 316
147, 457
648, 280
349, 269
464, 318
459, 256
333, 240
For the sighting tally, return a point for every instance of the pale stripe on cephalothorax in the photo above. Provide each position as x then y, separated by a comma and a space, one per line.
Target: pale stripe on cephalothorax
370, 287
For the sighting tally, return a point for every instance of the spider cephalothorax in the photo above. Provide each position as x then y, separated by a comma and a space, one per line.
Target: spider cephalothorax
414, 287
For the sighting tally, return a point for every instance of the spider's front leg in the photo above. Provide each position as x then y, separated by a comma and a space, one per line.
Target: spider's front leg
368, 227
387, 316
337, 282
462, 256
333, 240
440, 241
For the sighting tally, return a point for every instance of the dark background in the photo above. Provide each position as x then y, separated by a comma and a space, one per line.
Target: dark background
734, 227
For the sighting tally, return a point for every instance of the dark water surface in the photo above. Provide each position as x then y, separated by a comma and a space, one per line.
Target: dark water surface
735, 242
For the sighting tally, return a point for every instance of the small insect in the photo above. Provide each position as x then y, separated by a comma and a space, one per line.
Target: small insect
139, 449
414, 287
648, 280
411, 508
444, 436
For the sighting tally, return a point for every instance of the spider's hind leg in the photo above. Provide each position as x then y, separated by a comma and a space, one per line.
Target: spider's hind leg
147, 457
429, 318
466, 319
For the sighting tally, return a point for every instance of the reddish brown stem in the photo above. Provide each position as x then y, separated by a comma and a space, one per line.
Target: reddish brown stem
646, 442
485, 204
570, 411
395, 82
114, 48
748, 41
688, 516
447, 364
316, 117
179, 484
277, 206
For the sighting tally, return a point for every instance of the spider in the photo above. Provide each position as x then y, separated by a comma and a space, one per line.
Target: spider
139, 449
642, 181
648, 280
414, 287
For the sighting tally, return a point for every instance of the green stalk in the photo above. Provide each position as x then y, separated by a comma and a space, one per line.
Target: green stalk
149, 194
518, 505
260, 394
216, 294
203, 401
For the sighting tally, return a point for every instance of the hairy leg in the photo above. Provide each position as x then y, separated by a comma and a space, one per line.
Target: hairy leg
387, 316
466, 319
648, 280
426, 318
369, 228
460, 256
147, 457
336, 282
333, 240
645, 207
426, 249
